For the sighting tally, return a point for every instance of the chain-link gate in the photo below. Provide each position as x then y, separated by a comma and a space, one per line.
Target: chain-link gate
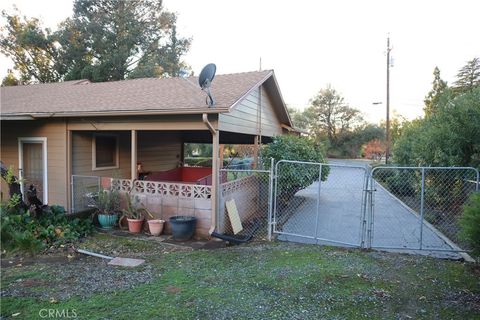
251, 192
406, 208
320, 203
83, 189
419, 208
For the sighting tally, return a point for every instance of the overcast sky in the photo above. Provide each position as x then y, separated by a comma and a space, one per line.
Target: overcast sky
310, 44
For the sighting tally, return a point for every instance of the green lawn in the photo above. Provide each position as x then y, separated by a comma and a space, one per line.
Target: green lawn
258, 281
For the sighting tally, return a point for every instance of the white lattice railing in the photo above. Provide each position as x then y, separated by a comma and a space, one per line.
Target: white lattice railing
181, 190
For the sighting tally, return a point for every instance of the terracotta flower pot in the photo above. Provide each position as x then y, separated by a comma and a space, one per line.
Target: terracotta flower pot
135, 225
156, 226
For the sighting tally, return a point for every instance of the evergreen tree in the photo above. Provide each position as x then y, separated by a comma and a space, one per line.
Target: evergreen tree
468, 77
438, 87
116, 39
166, 61
104, 40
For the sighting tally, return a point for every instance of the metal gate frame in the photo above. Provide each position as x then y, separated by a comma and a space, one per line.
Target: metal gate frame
80, 192
367, 217
366, 204
371, 212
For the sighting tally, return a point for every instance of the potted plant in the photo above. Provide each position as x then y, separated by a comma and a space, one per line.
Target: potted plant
108, 206
135, 215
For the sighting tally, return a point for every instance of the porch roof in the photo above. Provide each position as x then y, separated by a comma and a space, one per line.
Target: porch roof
133, 97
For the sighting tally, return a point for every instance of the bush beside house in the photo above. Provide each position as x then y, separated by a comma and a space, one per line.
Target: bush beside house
22, 232
292, 177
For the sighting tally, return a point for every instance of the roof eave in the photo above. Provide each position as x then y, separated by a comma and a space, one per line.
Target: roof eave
16, 117
290, 122
32, 116
258, 84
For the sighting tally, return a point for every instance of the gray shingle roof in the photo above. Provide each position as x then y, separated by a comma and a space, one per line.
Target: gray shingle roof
167, 95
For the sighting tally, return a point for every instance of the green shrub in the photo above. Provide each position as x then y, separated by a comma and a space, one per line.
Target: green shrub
14, 231
21, 232
108, 202
470, 222
402, 183
294, 176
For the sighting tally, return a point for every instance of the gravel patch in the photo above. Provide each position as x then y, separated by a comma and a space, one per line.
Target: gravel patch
71, 274
87, 275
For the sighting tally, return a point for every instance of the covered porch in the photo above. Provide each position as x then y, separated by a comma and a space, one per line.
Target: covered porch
150, 164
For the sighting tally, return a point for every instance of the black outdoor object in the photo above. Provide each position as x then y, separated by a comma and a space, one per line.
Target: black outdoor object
183, 227
253, 227
205, 80
232, 238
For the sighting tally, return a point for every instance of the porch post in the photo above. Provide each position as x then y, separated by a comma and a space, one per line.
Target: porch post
69, 171
215, 180
255, 152
133, 153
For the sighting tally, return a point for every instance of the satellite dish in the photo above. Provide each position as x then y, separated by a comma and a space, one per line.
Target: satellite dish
205, 80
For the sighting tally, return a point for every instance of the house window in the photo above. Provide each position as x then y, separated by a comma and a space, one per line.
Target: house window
105, 151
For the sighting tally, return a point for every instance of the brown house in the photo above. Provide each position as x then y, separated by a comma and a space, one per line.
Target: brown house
53, 133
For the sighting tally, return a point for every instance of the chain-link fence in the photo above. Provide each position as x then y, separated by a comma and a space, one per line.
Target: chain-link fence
420, 208
83, 189
310, 209
245, 196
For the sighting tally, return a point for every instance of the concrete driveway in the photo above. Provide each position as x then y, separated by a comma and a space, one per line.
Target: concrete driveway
340, 215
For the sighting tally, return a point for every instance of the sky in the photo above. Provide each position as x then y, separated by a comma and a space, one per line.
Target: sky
312, 44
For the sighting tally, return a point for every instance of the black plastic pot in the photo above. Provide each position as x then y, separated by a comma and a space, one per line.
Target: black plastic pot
183, 227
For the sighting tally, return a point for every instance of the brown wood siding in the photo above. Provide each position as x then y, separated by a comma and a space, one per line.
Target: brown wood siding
243, 119
82, 156
159, 151
55, 132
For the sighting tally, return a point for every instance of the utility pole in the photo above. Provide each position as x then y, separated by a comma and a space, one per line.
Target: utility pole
387, 131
